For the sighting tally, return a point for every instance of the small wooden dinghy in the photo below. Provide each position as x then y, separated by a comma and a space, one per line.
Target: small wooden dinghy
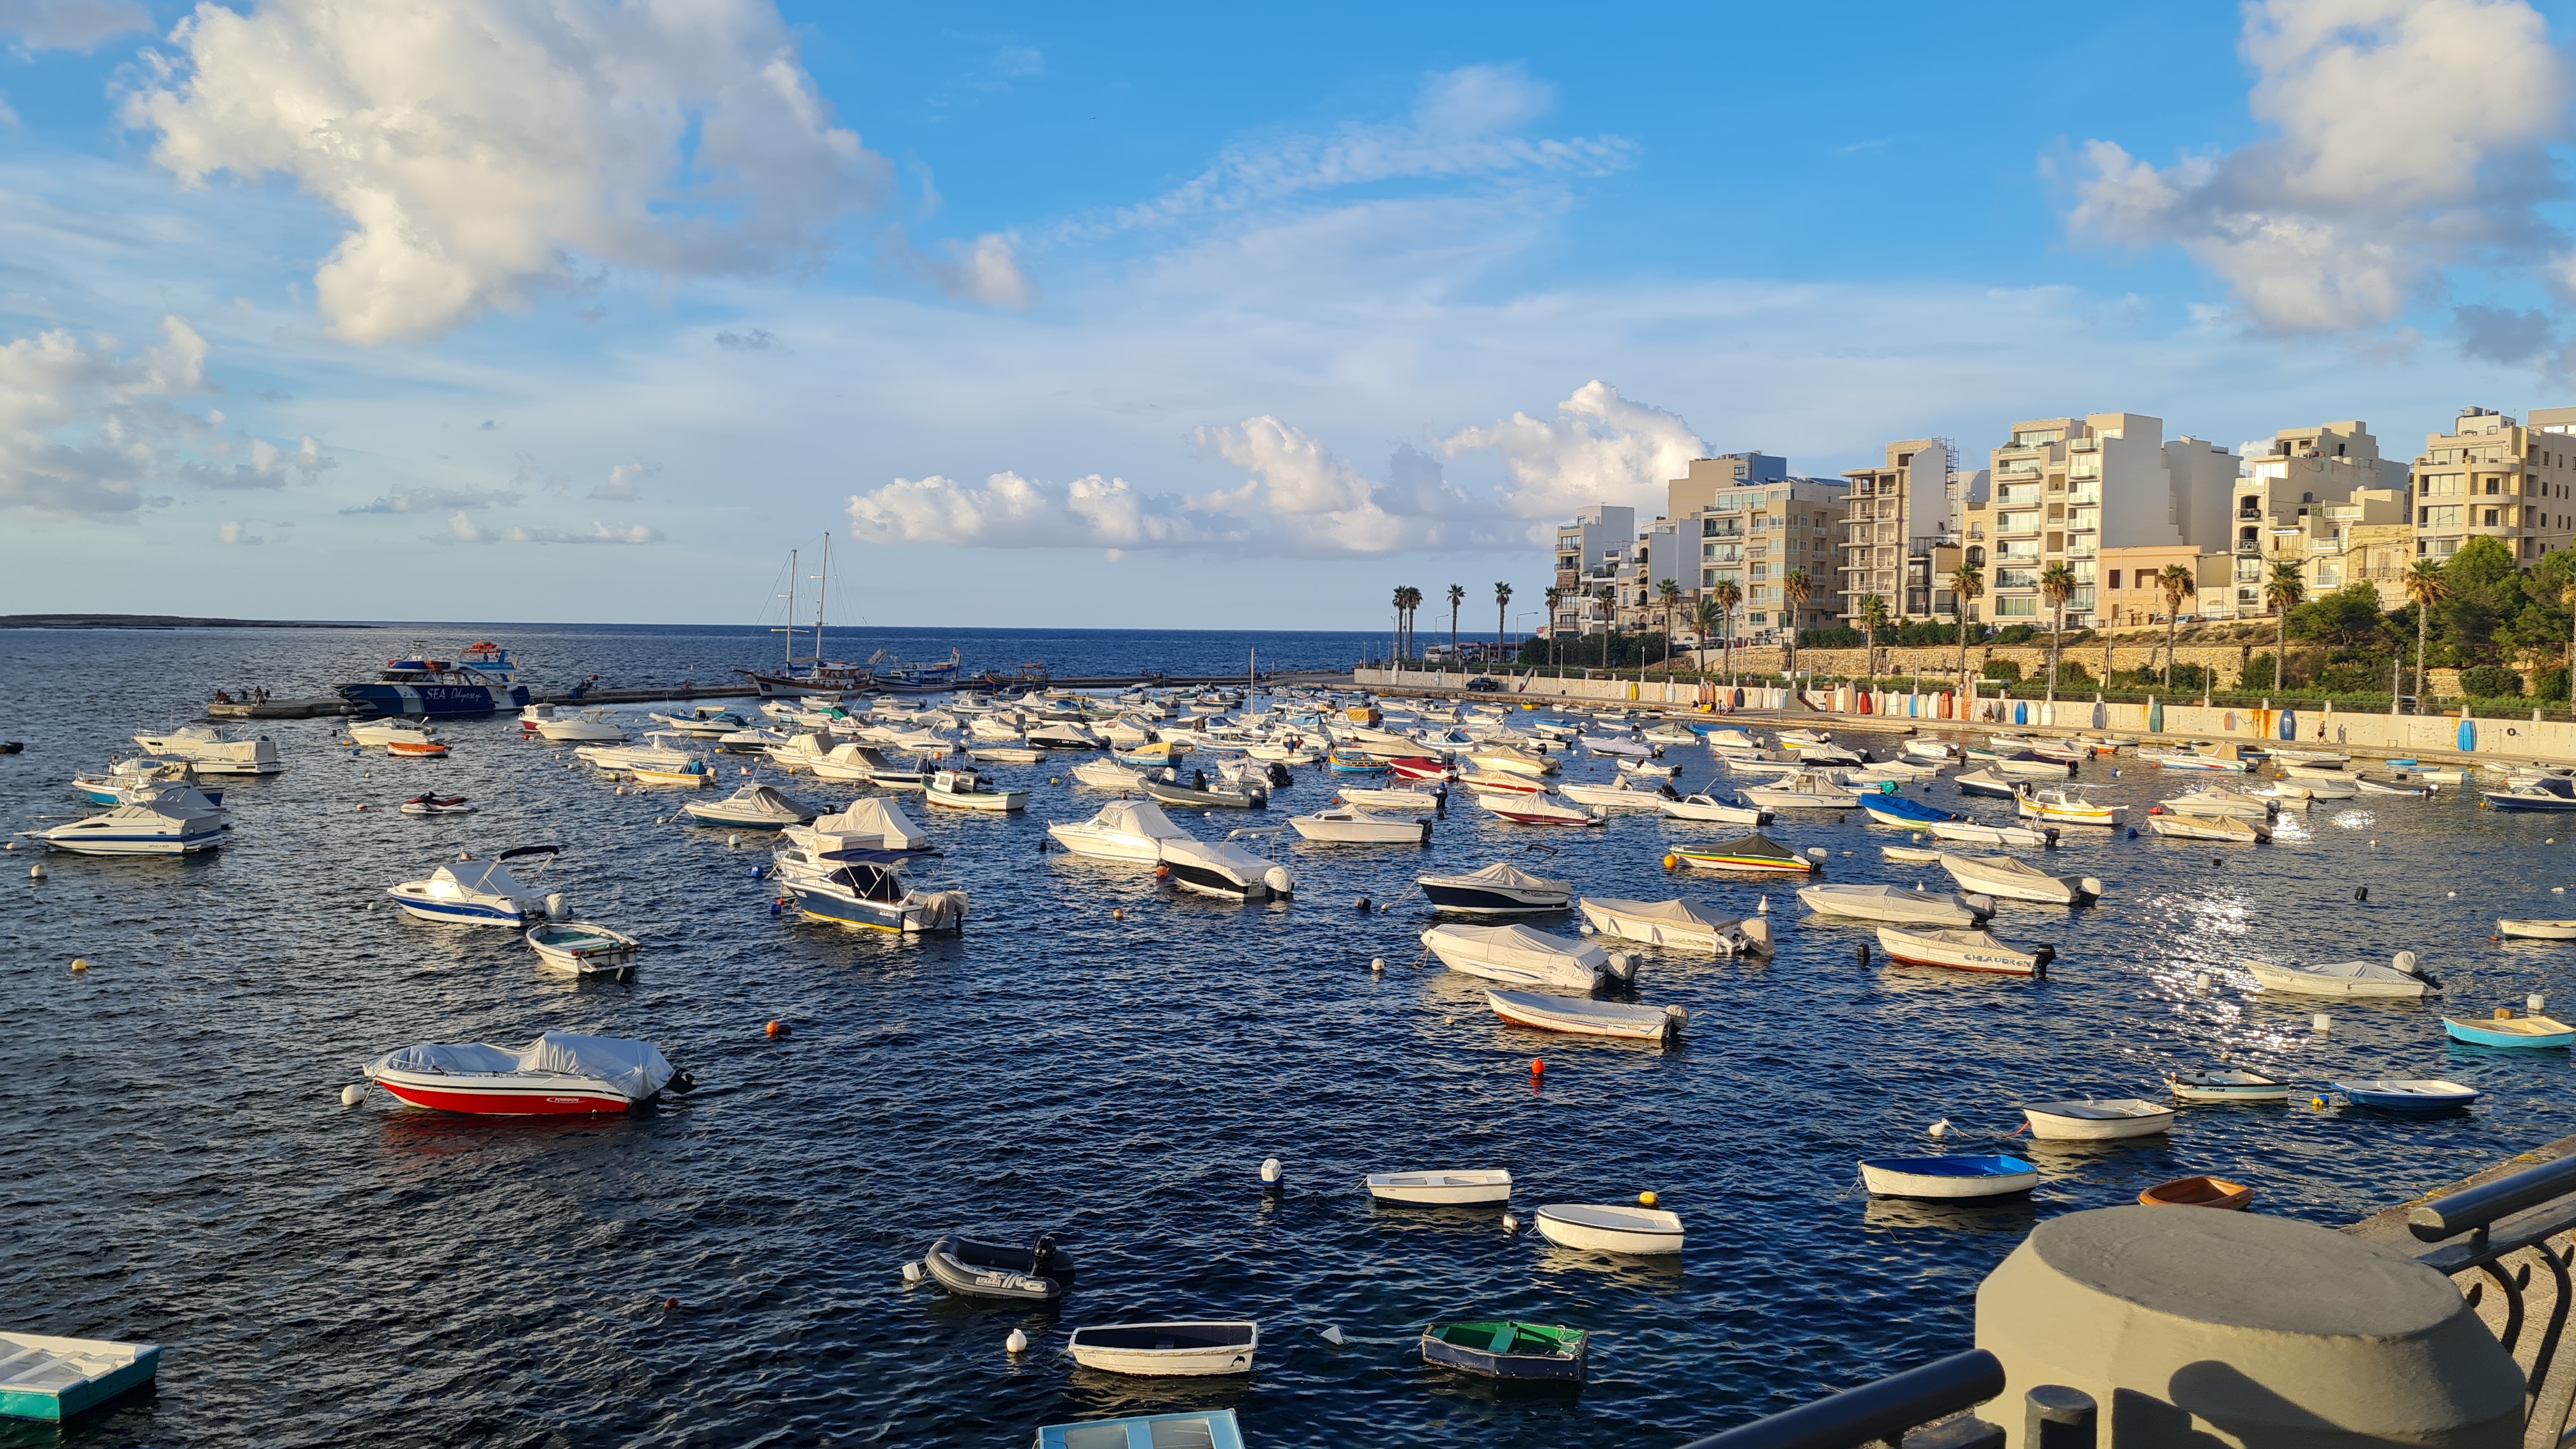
1440, 1189
1196, 1429
1533, 1352
2402, 1095
2537, 930
585, 948
1947, 1178
415, 749
1603, 1228
1167, 1350
2534, 1032
2227, 1086
2205, 1192
1963, 951
2097, 1119
1583, 1016
51, 1379
1034, 1274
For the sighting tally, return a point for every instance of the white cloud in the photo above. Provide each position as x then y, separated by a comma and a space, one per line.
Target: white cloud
438, 500
269, 467
483, 149
461, 529
237, 535
620, 487
68, 24
1010, 511
986, 270
2410, 138
1601, 448
81, 429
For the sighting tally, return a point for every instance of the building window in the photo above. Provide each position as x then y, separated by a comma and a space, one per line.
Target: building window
2115, 578
2017, 606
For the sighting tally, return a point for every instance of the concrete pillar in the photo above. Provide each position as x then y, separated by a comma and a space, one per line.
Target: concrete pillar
2192, 1327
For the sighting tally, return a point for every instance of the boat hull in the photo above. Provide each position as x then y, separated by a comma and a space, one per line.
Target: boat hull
1647, 1238
435, 699
458, 912
1466, 901
1913, 950
1576, 1016
1440, 1189
503, 1095
1948, 1179
2051, 1127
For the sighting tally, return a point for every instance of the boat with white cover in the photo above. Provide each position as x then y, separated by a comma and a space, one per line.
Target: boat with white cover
1708, 811
2402, 978
2214, 800
1583, 1016
655, 753
1108, 775
1372, 799
1121, 830
1970, 832
1677, 924
966, 790
2005, 878
1896, 905
378, 734
866, 888
1542, 810
871, 823
1607, 1229
2065, 807
1986, 782
1616, 796
2097, 1119
470, 892
1500, 889
134, 772
1440, 1189
164, 819
1964, 951
593, 726
2344, 789
2227, 828
585, 948
757, 807
1166, 1350
1226, 871
213, 751
1947, 1179
1804, 790
1350, 825
555, 1074
1520, 956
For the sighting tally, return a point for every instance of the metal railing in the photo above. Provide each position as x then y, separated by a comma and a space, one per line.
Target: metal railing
2515, 1218
1922, 1408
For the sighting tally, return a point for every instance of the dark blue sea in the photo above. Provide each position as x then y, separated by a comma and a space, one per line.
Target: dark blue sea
181, 1171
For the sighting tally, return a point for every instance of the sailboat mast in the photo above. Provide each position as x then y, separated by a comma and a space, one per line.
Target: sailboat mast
822, 587
790, 631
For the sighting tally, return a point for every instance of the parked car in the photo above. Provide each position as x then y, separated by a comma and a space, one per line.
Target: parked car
1483, 685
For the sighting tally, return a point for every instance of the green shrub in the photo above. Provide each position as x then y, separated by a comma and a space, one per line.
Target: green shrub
2490, 681
2017, 634
2551, 686
1830, 639
2258, 673
2071, 673
2351, 678
2003, 669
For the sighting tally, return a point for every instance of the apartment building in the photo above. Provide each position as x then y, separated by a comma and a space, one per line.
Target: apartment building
1589, 551
2492, 477
2322, 498
1900, 535
1697, 489
2130, 590
1754, 535
2065, 489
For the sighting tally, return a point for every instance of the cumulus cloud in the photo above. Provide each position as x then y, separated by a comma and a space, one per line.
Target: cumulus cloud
270, 466
620, 487
2410, 137
461, 529
1600, 447
986, 270
82, 428
438, 500
237, 535
485, 149
68, 24
1299, 498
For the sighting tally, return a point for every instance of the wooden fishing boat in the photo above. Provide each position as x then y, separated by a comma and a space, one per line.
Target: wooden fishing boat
2204, 1192
1582, 1016
415, 749
52, 1379
1440, 1189
2408, 1095
585, 948
1195, 1429
2531, 1032
1038, 1273
1963, 951
1643, 1231
2227, 1086
1167, 1350
1947, 1178
2537, 930
1752, 853
1530, 1352
2097, 1119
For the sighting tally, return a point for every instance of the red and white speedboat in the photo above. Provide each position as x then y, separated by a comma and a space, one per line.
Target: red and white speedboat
558, 1072
1541, 810
1421, 769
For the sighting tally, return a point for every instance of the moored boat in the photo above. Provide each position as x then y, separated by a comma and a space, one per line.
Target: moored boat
437, 805
470, 892
1677, 923
2201, 1192
557, 1073
585, 948
1194, 1428
2227, 829
2402, 977
1226, 871
1529, 1352
1964, 951
213, 751
2528, 1032
1039, 1273
1500, 889
2005, 878
1520, 956
1121, 830
52, 1379
2537, 930
1541, 810
162, 819
2408, 1095
1605, 1228
2237, 1085
758, 807
866, 888
965, 790
1947, 1179
1754, 853
2097, 1119
1453, 1188
1350, 825
1582, 1016
1167, 1350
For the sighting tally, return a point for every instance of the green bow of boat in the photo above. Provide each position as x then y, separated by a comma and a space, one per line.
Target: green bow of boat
1511, 1338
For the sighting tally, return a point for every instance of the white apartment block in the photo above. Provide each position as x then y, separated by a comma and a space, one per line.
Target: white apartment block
1755, 534
2491, 477
1900, 533
2322, 498
2066, 488
1589, 551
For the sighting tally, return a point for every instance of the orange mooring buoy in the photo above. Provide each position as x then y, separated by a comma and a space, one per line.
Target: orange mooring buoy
777, 1029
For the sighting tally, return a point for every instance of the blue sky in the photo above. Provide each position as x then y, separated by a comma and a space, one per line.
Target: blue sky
583, 311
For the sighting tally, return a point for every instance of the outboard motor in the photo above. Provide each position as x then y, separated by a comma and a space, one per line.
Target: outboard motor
1623, 968
1280, 882
2040, 959
1278, 775
2407, 962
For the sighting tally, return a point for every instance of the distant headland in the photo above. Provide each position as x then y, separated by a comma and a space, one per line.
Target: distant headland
159, 621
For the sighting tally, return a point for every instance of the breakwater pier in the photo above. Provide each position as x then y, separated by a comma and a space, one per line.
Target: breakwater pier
321, 706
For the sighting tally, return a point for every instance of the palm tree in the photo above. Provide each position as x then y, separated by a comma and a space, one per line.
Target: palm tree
1669, 594
1398, 642
1412, 606
1554, 597
2177, 584
1873, 617
2056, 586
1729, 596
1795, 587
1706, 619
2567, 596
1457, 596
1502, 616
1967, 585
2285, 590
1608, 599
2425, 587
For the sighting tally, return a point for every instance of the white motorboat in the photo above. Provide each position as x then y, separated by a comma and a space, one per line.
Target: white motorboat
1507, 760
134, 772
1440, 1189
2227, 1086
1948, 1179
585, 949
1607, 1229
758, 807
2005, 878
1896, 906
2313, 771
2402, 977
2213, 800
1970, 832
1707, 810
2234, 830
377, 734
1617, 797
214, 752
1108, 775
1122, 830
52, 1380
1542, 810
1804, 790
1167, 1350
656, 753
1677, 924
1963, 951
1583, 1016
1061, 736
1985, 782
1481, 783
1929, 749
2065, 807
872, 823
866, 888
706, 722
592, 726
1350, 825
2097, 1119
470, 892
1393, 799
2529, 930
2402, 785
1499, 889
965, 790
1647, 770
558, 1073
1910, 855
1669, 733
1226, 870
1519, 956
159, 819
2342, 789
804, 750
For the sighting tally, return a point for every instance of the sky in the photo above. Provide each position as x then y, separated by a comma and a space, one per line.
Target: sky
1173, 316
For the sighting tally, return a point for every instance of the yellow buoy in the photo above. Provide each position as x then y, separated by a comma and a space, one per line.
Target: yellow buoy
1645, 1199
79, 965
1672, 862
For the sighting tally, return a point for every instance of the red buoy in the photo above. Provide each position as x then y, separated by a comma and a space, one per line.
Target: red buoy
777, 1029
1538, 1068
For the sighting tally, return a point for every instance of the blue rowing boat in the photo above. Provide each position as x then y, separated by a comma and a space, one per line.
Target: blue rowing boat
2535, 1032
1947, 1177
1207, 1428
2408, 1096
1905, 814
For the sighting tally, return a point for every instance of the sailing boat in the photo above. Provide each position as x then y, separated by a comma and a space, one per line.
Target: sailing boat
803, 674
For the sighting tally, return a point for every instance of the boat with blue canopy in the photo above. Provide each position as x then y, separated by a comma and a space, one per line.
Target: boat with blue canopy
1905, 814
1947, 1178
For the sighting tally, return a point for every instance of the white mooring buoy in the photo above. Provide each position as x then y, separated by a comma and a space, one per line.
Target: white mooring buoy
352, 1094
1018, 1342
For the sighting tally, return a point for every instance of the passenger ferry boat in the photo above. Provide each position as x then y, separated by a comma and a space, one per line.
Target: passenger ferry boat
478, 681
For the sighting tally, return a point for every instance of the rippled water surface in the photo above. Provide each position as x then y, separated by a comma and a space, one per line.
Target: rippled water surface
181, 1170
